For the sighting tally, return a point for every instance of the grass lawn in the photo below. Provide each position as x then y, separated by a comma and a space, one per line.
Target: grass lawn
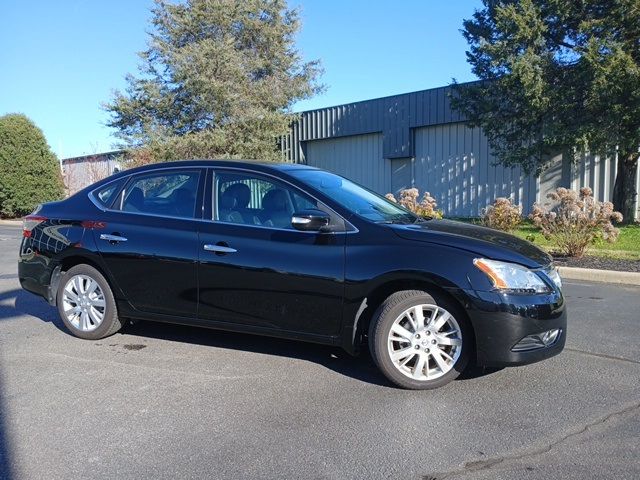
626, 247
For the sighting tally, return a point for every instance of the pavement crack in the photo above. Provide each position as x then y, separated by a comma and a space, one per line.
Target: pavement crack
602, 355
478, 465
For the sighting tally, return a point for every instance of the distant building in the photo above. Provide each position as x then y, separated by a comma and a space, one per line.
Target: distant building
79, 172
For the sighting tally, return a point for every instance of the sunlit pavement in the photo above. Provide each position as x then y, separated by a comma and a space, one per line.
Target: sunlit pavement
163, 401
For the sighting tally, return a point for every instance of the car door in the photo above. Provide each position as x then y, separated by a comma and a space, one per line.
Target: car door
256, 269
149, 242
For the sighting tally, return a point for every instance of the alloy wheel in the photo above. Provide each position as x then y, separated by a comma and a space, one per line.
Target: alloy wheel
425, 342
83, 303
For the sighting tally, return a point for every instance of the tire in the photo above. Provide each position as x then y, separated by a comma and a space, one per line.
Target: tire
86, 304
407, 355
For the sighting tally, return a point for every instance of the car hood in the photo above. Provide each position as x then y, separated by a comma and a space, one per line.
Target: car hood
482, 241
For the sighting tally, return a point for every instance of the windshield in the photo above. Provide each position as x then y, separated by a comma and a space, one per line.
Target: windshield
355, 198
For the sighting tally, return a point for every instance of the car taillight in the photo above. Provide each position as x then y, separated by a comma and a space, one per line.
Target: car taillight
30, 222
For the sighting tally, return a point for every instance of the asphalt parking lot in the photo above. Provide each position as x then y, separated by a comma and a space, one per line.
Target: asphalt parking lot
161, 401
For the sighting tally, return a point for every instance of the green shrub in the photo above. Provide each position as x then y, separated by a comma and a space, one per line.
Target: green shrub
409, 200
575, 220
502, 215
29, 171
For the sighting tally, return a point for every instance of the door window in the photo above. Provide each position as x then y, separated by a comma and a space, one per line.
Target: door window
250, 199
165, 193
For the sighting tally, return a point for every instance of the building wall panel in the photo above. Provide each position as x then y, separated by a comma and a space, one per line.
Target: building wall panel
453, 162
358, 158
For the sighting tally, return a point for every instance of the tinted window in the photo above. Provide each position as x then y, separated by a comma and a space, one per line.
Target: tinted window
105, 195
167, 193
256, 200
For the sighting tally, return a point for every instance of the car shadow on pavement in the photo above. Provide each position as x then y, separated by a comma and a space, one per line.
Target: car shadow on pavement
5, 466
360, 368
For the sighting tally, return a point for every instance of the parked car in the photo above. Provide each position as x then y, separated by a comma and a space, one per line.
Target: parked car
296, 252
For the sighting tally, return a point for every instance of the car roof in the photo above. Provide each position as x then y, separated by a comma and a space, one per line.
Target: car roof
254, 164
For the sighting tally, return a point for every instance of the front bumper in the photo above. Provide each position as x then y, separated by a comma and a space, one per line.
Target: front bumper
500, 321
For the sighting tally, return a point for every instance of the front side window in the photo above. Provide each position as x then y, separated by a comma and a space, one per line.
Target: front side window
355, 198
251, 199
170, 194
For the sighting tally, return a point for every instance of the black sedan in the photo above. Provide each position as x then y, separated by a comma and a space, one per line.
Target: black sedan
296, 252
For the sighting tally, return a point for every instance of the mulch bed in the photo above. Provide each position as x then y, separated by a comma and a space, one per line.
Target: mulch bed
599, 263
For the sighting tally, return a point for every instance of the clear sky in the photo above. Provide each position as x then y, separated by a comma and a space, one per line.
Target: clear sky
61, 59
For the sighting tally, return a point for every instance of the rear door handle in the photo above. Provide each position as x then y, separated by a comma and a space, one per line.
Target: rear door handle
219, 248
112, 238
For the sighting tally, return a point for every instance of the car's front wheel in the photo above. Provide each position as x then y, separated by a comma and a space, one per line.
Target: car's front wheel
86, 303
418, 340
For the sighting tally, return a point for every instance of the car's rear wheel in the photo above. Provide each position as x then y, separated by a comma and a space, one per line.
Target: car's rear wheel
419, 341
86, 303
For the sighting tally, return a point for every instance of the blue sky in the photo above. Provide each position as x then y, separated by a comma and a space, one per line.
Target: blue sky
61, 59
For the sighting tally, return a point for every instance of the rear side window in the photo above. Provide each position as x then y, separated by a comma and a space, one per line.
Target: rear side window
106, 194
170, 194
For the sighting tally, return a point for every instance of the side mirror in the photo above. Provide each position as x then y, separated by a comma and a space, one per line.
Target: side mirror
311, 221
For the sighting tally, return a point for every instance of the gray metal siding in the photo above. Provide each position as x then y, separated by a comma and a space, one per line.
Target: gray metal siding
394, 116
358, 158
454, 164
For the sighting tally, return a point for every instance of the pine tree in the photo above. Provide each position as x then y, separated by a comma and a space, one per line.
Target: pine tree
218, 80
557, 76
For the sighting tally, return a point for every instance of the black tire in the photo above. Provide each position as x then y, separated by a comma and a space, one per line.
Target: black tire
380, 327
110, 324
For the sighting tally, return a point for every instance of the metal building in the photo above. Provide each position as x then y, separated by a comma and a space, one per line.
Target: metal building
79, 172
417, 140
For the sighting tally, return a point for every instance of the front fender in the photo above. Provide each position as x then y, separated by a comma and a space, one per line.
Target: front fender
400, 267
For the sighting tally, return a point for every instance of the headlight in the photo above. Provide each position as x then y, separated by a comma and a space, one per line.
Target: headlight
511, 276
554, 275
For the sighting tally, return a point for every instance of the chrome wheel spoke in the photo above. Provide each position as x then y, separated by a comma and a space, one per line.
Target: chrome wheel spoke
91, 288
73, 311
406, 360
70, 295
97, 302
95, 315
448, 341
418, 315
437, 356
446, 355
412, 322
84, 321
441, 320
418, 370
401, 331
77, 285
400, 354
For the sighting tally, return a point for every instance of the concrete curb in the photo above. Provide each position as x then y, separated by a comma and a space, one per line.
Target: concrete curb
603, 276
11, 223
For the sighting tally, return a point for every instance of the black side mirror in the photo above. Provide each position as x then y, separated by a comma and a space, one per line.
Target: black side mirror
311, 221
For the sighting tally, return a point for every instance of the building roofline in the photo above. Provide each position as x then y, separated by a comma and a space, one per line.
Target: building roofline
93, 155
385, 97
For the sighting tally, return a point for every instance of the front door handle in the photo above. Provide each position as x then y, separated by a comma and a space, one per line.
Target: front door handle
219, 248
112, 238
